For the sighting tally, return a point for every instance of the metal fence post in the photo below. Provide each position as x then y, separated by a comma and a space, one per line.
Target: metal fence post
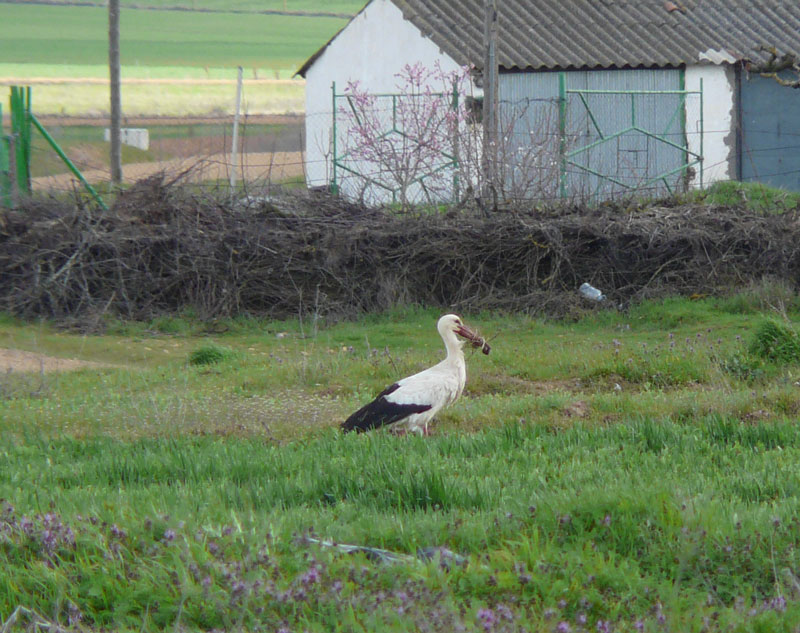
5, 180
235, 139
562, 131
456, 193
702, 134
20, 102
334, 185
13, 177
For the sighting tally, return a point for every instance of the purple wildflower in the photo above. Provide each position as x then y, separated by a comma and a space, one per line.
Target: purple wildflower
74, 615
488, 619
311, 577
563, 627
504, 613
238, 590
117, 532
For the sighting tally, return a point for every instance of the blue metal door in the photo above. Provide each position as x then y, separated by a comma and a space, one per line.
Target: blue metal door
770, 140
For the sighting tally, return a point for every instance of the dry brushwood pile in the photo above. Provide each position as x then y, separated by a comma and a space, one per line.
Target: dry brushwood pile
162, 248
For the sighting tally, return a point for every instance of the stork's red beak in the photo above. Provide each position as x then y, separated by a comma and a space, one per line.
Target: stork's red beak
475, 339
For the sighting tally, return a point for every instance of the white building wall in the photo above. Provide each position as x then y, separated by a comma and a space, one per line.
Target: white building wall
372, 49
719, 107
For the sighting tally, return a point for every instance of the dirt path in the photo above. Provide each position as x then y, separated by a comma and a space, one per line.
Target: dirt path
17, 360
261, 166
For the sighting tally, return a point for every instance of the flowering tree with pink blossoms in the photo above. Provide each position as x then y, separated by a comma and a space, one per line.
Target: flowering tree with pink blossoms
423, 144
406, 144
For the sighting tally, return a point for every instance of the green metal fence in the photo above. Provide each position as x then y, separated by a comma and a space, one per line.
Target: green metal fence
15, 150
600, 143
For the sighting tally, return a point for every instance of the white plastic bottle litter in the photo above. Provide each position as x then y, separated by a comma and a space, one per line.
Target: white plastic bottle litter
591, 293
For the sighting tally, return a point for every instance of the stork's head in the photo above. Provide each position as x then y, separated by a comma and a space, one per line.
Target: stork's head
451, 324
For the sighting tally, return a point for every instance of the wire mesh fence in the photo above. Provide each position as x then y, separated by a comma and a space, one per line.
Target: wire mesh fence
594, 145
270, 150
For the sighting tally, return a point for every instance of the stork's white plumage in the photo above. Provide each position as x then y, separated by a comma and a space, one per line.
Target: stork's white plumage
411, 403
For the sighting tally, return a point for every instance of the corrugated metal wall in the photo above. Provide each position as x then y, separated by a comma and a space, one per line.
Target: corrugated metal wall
770, 141
530, 124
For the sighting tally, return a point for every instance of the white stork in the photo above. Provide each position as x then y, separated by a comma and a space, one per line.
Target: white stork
410, 403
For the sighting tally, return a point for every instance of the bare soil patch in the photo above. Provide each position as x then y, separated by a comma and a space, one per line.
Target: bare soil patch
17, 360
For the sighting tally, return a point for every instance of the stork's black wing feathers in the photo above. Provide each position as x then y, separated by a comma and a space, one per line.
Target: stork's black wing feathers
381, 412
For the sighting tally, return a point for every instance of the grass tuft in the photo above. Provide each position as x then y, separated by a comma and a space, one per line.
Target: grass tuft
754, 196
210, 354
776, 341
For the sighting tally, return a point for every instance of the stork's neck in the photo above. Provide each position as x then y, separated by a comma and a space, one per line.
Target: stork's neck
453, 346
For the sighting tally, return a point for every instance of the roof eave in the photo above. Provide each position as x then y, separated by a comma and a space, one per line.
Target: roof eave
310, 61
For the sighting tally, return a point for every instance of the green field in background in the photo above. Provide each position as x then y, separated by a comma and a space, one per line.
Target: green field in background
100, 71
79, 35
166, 100
306, 6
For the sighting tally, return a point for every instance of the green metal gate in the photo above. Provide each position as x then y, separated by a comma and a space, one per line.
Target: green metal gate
617, 142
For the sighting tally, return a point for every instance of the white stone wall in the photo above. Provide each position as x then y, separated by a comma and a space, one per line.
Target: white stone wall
372, 49
719, 107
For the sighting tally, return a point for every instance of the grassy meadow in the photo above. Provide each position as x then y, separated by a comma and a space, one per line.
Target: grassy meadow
624, 471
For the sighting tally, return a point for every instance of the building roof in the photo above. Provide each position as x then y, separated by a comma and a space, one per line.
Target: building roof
563, 34
550, 34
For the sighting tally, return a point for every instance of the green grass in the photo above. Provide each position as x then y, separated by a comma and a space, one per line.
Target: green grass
210, 354
627, 470
168, 100
79, 35
100, 71
757, 197
347, 7
71, 42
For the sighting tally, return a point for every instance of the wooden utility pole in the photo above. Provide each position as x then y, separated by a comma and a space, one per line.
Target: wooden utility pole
490, 81
114, 77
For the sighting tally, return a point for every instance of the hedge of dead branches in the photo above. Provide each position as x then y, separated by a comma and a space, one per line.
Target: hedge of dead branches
162, 249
